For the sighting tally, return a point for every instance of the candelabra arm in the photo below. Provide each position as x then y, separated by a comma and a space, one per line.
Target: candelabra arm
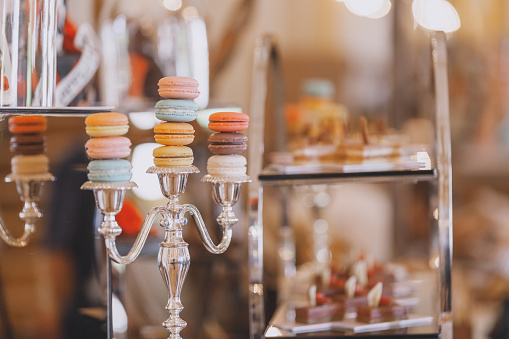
204, 234
111, 247
17, 242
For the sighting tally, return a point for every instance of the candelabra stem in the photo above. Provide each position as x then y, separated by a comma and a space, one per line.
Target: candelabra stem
109, 230
174, 261
29, 192
204, 235
17, 242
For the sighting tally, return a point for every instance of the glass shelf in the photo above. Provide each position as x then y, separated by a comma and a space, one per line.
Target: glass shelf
269, 177
54, 111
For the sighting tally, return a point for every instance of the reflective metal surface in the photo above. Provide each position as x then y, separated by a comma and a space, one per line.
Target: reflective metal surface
29, 190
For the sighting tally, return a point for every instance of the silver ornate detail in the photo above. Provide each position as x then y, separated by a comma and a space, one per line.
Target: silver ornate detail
29, 188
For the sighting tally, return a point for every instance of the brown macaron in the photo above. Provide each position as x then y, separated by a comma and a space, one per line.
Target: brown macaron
227, 143
27, 144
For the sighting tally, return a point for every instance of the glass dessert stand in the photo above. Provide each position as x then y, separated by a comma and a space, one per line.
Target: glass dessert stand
267, 61
173, 257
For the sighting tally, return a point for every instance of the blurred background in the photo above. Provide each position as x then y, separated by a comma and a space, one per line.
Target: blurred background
378, 67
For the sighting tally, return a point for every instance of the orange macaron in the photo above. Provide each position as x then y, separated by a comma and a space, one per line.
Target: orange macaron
174, 133
27, 124
228, 122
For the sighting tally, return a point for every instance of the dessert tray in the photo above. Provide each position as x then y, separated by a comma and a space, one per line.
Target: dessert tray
415, 166
349, 324
283, 327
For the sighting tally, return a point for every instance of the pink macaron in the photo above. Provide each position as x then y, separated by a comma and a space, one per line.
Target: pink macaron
178, 88
108, 147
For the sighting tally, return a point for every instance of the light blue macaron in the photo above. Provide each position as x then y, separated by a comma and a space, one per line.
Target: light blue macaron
109, 170
176, 110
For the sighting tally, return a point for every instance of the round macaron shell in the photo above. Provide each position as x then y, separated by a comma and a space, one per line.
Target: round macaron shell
29, 164
228, 122
174, 133
173, 156
27, 124
178, 88
108, 147
110, 170
106, 119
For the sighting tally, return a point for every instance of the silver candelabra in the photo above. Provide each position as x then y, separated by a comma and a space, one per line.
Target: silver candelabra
29, 189
173, 257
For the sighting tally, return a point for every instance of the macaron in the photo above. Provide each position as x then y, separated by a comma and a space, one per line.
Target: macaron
27, 143
106, 124
109, 170
228, 122
108, 147
27, 124
226, 165
227, 143
29, 164
174, 133
168, 156
176, 110
178, 88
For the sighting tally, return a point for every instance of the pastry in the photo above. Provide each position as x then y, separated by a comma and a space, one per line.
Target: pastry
174, 133
384, 313
319, 313
320, 309
226, 165
27, 144
228, 122
227, 143
29, 164
27, 124
178, 88
106, 124
108, 147
176, 110
110, 170
370, 149
169, 156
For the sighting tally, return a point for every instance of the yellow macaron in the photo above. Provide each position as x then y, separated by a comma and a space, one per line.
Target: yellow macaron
167, 156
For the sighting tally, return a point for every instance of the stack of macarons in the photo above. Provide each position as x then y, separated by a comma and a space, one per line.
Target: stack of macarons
107, 147
176, 110
227, 144
28, 144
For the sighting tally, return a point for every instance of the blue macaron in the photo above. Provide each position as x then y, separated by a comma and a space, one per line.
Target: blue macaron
176, 110
109, 170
